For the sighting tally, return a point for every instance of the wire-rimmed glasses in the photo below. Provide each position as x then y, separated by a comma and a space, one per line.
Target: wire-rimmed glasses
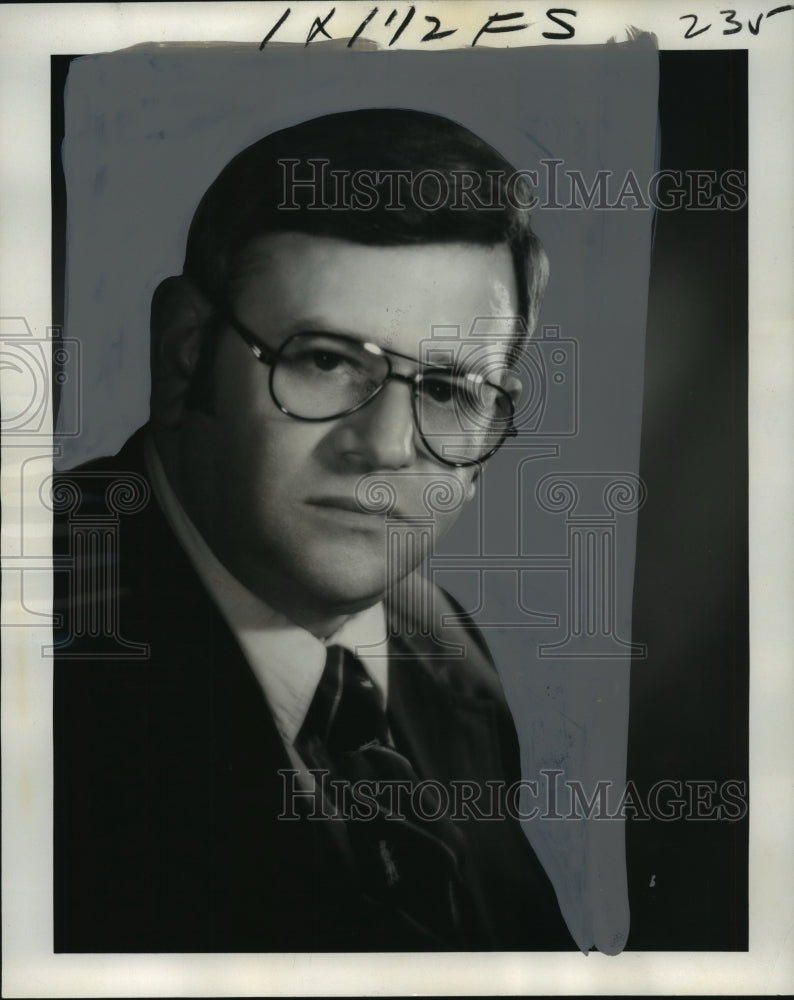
461, 416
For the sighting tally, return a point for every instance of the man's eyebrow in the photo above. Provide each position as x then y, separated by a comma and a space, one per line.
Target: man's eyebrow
320, 326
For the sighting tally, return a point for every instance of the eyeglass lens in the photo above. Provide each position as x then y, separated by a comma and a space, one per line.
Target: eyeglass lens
461, 417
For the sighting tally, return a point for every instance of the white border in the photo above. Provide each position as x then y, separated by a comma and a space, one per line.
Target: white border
28, 35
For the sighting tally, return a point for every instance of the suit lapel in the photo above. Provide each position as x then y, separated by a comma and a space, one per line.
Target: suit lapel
446, 730
214, 697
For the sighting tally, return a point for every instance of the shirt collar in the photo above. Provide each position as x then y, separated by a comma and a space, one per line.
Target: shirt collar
287, 660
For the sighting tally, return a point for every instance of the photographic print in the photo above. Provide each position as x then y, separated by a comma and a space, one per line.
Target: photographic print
377, 578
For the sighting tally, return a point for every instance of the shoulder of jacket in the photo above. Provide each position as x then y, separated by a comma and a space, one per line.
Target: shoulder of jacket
109, 486
437, 629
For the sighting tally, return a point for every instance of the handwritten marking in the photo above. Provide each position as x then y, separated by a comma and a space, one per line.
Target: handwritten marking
434, 32
361, 27
318, 26
275, 28
406, 21
495, 24
569, 32
734, 25
690, 31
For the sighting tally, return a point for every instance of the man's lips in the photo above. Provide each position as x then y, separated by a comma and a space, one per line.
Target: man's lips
350, 505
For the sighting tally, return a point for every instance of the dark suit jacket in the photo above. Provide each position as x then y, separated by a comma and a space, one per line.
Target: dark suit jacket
166, 783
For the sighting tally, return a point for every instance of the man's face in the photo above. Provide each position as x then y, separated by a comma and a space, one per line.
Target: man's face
276, 493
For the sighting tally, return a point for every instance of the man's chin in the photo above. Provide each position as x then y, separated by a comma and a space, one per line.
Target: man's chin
319, 590
347, 597
332, 576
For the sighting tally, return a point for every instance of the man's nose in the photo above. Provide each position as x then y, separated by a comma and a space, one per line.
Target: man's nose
381, 435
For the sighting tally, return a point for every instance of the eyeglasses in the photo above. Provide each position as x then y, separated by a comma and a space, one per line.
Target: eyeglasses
462, 418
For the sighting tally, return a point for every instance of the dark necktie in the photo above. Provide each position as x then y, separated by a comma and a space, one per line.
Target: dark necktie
405, 860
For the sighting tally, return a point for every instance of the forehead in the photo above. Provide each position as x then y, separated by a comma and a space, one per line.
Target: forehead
397, 297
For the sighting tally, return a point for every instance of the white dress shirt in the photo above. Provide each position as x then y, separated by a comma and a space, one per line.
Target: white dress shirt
287, 660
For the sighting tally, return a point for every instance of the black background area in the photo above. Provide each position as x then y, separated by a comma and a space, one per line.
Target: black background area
689, 700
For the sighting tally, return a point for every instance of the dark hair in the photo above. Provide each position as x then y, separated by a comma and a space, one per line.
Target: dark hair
251, 197
244, 201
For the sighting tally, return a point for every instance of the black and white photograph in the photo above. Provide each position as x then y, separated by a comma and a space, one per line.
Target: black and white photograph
383, 490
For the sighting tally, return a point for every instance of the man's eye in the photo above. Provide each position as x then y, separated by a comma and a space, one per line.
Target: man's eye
326, 361
438, 390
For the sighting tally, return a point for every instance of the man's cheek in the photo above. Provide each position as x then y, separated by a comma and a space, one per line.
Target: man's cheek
443, 522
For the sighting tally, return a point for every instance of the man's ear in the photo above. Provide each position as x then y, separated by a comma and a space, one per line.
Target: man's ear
471, 489
513, 386
178, 321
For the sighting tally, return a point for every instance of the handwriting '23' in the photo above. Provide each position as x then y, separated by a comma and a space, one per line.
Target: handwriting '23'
733, 25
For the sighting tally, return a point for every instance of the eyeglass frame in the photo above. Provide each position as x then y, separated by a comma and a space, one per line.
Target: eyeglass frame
269, 356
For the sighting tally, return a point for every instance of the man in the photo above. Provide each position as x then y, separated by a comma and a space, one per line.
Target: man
235, 790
